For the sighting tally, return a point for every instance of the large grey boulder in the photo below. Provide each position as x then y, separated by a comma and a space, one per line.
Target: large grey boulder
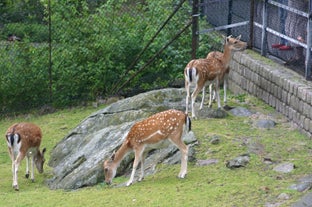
77, 160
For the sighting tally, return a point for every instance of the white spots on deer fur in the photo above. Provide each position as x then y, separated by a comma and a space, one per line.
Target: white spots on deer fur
161, 124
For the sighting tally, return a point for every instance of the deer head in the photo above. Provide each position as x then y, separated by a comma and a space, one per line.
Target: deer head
39, 160
110, 169
235, 44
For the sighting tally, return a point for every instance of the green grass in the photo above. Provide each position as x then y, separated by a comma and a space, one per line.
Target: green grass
213, 185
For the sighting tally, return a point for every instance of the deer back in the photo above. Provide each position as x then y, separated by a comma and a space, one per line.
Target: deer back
157, 127
203, 70
29, 134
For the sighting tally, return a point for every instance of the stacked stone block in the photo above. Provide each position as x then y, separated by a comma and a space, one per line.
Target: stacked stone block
288, 92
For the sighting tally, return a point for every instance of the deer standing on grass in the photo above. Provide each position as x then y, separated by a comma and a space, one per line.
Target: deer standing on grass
24, 139
210, 71
151, 133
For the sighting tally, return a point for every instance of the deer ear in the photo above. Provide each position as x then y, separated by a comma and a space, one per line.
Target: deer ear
227, 38
43, 151
113, 156
238, 38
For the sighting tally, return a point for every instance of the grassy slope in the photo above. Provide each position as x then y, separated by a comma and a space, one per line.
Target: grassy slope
214, 185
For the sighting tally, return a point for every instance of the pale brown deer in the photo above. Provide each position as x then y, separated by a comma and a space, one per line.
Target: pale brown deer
151, 133
210, 71
24, 139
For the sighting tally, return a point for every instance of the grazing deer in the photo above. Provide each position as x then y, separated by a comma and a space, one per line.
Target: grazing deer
211, 70
151, 133
24, 139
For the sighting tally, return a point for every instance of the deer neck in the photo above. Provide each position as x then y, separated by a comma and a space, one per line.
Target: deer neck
120, 154
227, 55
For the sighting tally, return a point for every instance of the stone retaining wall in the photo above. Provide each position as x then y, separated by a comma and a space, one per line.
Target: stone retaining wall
281, 88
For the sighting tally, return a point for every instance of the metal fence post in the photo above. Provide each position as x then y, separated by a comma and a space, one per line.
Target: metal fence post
50, 52
229, 20
195, 15
251, 24
264, 27
309, 44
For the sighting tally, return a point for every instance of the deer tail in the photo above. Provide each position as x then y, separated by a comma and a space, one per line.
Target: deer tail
189, 73
13, 138
188, 123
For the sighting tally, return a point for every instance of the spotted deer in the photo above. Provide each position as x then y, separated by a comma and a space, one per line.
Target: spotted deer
210, 71
147, 134
23, 139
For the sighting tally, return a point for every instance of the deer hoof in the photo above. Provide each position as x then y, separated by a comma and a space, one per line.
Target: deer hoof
27, 175
181, 175
128, 184
16, 187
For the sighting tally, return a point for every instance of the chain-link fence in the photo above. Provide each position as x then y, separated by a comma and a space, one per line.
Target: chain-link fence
277, 28
63, 53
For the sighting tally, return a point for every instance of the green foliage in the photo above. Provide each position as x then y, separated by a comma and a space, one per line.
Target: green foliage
94, 48
23, 75
98, 49
37, 33
30, 11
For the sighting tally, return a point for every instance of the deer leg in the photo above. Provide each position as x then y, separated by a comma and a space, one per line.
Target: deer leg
194, 95
15, 168
137, 158
224, 88
17, 162
142, 168
187, 87
203, 98
27, 167
210, 95
32, 168
178, 142
218, 93
13, 163
13, 173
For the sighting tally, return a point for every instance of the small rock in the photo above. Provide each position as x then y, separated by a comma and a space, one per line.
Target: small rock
283, 196
304, 201
286, 167
303, 184
267, 160
206, 162
240, 111
207, 112
240, 161
227, 107
265, 124
215, 139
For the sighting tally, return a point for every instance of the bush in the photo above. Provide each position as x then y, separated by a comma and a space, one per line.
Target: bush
28, 32
24, 79
92, 51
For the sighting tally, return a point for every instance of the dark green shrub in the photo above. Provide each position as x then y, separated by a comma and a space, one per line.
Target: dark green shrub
34, 32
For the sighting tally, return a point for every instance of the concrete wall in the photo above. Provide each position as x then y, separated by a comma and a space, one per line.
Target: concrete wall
281, 88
